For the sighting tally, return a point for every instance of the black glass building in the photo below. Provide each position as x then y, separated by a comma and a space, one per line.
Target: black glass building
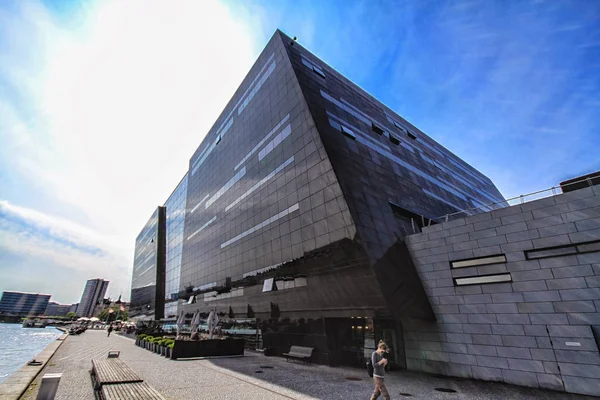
148, 279
297, 202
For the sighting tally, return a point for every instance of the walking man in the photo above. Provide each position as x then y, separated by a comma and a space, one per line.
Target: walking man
110, 328
379, 363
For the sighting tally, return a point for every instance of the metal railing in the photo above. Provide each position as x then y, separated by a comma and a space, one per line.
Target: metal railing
524, 198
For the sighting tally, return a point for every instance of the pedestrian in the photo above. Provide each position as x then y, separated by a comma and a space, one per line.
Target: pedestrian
110, 328
379, 363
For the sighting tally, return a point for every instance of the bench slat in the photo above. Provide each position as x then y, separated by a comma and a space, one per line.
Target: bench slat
130, 391
113, 370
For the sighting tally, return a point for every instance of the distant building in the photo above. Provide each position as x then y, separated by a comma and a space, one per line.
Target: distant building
19, 303
57, 310
73, 307
93, 293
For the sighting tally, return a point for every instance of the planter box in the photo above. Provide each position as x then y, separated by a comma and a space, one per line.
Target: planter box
207, 348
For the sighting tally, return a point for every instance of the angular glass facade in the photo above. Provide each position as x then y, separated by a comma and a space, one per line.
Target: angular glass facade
297, 202
148, 279
175, 222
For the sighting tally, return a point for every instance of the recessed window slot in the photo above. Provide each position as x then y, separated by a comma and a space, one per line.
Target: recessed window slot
378, 130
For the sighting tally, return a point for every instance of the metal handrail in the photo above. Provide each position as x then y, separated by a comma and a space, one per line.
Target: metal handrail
506, 203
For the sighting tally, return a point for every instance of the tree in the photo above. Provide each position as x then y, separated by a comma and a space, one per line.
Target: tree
71, 315
231, 314
113, 313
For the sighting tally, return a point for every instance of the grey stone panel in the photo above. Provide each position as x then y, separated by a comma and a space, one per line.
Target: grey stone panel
511, 228
520, 378
519, 341
487, 251
515, 352
578, 357
581, 214
492, 362
517, 364
482, 319
497, 288
512, 219
505, 308
503, 212
529, 286
522, 319
508, 329
543, 342
580, 294
463, 358
535, 330
557, 230
548, 319
581, 385
566, 283
539, 204
572, 272
585, 236
584, 318
460, 348
549, 211
550, 381
533, 275
459, 370
582, 370
481, 350
543, 307
492, 340
487, 374
521, 236
560, 343
574, 306
543, 354
546, 295
507, 297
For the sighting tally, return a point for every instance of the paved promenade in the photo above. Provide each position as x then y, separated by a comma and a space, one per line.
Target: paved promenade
237, 378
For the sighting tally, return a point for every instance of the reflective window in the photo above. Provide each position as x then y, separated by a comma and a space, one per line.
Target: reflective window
176, 206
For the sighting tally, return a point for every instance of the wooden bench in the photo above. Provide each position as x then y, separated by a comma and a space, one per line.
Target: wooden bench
300, 352
112, 371
130, 391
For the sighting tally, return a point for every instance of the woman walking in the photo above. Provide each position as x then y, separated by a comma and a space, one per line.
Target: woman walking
379, 363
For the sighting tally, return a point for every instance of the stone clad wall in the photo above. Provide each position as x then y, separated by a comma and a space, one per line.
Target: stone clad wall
542, 329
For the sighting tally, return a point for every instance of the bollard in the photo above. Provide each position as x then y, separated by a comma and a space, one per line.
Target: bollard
49, 386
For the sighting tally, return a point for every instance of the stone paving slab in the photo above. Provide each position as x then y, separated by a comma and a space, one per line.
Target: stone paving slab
236, 378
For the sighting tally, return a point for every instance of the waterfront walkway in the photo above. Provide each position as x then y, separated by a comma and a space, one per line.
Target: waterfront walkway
238, 378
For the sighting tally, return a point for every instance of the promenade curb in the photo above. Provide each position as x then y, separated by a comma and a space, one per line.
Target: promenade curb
18, 382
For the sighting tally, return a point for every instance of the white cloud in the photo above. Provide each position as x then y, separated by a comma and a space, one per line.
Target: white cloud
108, 107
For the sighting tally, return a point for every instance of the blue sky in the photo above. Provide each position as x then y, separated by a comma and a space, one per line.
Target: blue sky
103, 102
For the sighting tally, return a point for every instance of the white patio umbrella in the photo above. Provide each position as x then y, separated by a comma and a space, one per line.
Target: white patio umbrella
83, 319
94, 319
180, 322
213, 320
195, 322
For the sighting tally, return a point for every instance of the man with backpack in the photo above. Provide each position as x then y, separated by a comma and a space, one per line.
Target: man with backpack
377, 370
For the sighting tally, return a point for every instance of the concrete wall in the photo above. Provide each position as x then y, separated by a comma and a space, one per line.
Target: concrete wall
537, 330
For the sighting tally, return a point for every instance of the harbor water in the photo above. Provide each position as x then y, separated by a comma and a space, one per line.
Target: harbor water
19, 345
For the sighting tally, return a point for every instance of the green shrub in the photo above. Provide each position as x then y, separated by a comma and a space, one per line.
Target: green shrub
171, 345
